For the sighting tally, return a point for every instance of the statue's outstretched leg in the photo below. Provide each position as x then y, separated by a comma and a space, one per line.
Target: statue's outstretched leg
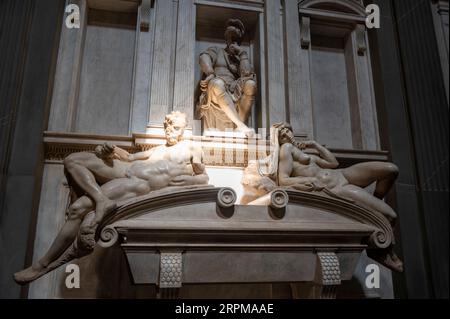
386, 257
364, 174
363, 198
63, 240
118, 189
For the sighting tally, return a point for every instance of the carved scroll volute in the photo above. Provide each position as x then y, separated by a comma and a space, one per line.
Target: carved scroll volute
279, 199
108, 237
226, 199
381, 238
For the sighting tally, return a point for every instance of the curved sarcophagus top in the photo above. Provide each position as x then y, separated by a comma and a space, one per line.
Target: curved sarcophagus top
199, 235
209, 213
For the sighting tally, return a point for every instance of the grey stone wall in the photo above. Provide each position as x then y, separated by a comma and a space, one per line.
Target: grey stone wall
414, 112
29, 42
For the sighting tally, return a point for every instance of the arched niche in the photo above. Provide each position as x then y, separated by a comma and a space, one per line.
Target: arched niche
338, 81
341, 6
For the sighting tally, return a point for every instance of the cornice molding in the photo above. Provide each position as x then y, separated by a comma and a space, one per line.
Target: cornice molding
58, 145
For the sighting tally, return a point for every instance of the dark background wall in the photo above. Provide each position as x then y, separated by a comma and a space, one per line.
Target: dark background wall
414, 115
29, 34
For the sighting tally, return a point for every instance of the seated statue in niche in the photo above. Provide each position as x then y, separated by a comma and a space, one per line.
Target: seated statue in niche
229, 86
111, 174
290, 167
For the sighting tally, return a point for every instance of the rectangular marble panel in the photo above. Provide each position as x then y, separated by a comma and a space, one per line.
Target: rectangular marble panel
67, 75
161, 99
142, 73
106, 80
185, 60
329, 82
229, 267
298, 116
275, 62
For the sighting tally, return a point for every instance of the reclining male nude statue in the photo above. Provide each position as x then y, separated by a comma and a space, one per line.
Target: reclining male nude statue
121, 176
289, 166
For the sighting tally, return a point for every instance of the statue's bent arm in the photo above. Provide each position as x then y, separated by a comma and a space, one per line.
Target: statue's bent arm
206, 64
244, 66
200, 176
140, 155
326, 159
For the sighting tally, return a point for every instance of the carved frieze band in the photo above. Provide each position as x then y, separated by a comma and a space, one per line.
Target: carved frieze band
228, 152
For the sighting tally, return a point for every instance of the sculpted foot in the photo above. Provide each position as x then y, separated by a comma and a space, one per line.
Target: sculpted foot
387, 258
30, 274
102, 208
393, 262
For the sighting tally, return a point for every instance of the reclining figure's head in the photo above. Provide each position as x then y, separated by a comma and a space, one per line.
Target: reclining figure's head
174, 125
285, 133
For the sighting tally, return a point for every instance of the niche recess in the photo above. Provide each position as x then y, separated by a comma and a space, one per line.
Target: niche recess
334, 43
106, 76
209, 31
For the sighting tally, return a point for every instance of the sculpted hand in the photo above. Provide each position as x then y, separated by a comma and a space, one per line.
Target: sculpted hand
305, 187
236, 49
204, 83
312, 185
308, 144
318, 186
121, 154
105, 151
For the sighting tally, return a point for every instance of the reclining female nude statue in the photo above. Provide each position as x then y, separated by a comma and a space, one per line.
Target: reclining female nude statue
121, 176
289, 166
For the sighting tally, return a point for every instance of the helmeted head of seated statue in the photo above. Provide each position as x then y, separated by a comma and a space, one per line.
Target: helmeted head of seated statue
174, 125
234, 32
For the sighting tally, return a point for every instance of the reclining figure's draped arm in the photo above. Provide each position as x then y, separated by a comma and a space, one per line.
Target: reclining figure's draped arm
326, 159
198, 167
140, 155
